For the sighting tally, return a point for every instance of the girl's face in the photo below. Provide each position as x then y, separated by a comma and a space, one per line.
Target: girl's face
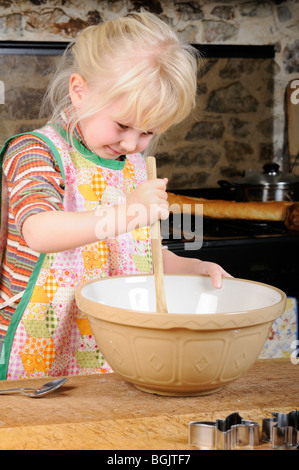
103, 132
109, 138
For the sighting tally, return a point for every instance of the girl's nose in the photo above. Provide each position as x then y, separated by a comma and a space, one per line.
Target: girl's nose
130, 142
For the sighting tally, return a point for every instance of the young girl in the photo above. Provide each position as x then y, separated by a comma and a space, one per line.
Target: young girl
72, 187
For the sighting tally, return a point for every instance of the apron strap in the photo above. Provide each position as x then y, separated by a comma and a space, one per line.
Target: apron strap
11, 300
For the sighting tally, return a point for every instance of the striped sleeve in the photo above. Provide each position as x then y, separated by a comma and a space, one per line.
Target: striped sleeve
34, 180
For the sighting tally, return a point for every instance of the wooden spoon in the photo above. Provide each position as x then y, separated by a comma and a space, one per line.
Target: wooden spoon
161, 306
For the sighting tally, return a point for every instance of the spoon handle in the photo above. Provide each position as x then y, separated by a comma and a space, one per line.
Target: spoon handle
16, 390
161, 306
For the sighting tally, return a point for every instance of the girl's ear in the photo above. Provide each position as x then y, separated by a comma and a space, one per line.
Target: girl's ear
77, 88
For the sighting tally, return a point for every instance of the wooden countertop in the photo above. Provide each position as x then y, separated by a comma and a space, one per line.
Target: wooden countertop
105, 412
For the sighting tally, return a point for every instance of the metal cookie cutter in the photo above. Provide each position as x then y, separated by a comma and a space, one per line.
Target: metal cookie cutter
282, 430
224, 434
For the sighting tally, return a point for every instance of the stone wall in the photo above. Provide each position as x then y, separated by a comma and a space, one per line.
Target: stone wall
232, 129
239, 123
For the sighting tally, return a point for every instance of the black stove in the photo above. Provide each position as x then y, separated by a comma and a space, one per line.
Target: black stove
257, 250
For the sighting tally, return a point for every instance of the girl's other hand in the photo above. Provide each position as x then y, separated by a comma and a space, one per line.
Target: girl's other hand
213, 270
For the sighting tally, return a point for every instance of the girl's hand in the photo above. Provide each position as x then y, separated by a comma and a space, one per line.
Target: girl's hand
148, 202
213, 270
174, 264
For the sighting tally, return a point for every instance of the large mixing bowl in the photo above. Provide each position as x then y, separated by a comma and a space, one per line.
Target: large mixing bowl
209, 338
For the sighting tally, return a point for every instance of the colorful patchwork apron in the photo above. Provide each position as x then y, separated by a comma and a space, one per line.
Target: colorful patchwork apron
47, 335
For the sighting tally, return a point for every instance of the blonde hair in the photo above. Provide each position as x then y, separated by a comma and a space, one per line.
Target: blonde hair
137, 57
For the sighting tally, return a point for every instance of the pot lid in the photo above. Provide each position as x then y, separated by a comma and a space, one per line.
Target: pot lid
270, 175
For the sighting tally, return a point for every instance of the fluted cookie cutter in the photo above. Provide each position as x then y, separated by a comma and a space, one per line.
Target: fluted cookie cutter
224, 434
282, 430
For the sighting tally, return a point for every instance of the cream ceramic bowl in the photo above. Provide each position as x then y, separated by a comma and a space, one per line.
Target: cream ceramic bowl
209, 338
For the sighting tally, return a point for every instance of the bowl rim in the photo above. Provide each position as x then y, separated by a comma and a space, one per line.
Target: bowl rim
193, 321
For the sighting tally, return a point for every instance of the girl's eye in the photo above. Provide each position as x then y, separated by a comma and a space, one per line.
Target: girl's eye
122, 126
147, 133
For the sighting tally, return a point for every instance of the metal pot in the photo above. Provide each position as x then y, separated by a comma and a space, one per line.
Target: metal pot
270, 185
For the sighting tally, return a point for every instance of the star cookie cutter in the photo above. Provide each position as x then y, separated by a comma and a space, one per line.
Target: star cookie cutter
224, 434
282, 430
